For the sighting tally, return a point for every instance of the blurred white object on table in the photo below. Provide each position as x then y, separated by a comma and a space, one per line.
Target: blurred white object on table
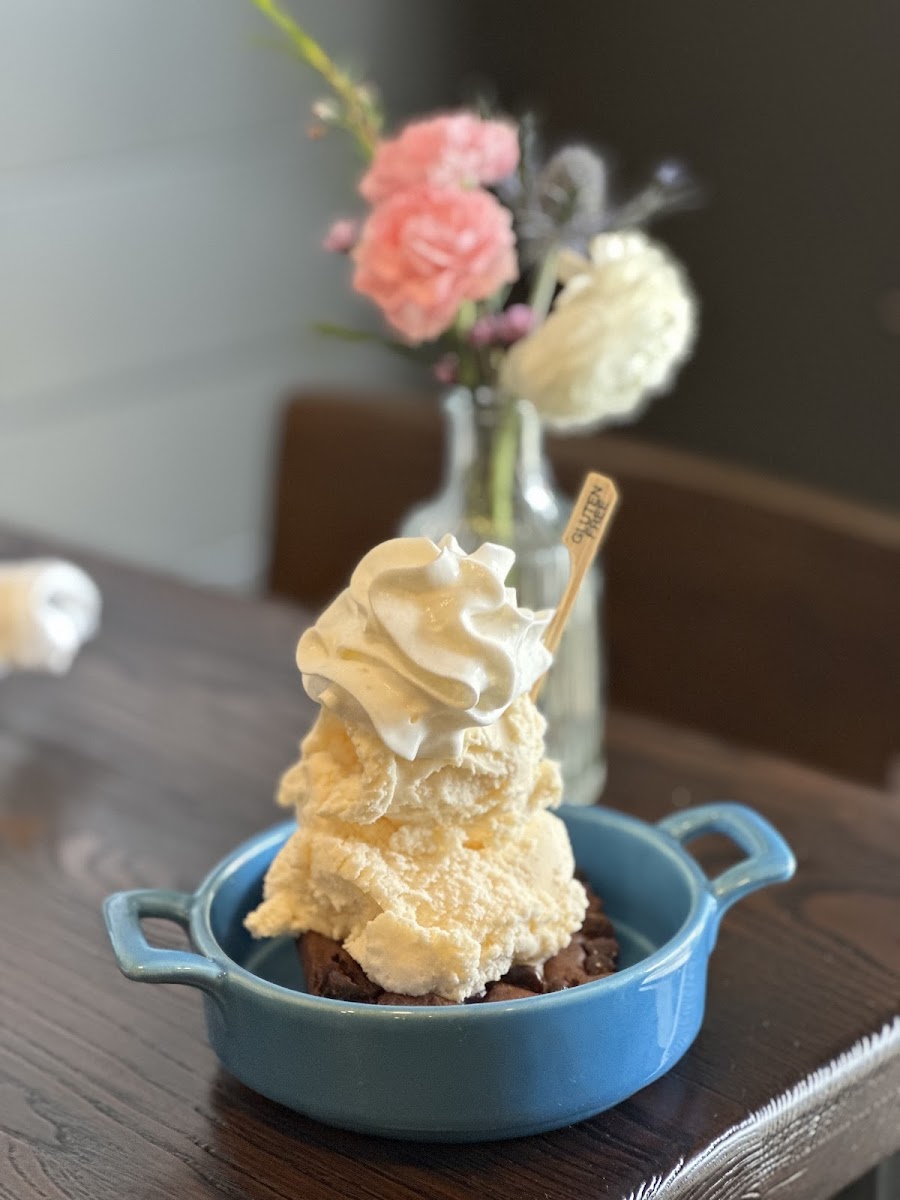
48, 609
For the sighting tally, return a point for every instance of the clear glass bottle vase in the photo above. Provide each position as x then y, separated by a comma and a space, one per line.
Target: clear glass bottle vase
498, 487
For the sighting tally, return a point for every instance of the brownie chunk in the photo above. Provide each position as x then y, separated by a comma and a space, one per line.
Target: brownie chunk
566, 969
525, 977
501, 990
331, 971
592, 953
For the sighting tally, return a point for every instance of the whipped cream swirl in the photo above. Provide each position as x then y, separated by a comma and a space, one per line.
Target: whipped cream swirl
426, 642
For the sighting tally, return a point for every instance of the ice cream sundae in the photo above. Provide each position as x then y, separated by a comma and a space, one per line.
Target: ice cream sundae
426, 867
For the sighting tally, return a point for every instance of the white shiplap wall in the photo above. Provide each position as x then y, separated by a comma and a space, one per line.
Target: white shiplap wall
160, 217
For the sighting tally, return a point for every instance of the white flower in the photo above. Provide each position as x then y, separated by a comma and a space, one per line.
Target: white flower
619, 330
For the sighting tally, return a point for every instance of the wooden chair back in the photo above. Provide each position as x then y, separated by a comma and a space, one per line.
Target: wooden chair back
760, 611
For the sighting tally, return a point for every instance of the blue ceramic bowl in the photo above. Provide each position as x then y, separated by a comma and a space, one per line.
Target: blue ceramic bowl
473, 1072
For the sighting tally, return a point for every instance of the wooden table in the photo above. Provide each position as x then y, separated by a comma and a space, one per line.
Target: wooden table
159, 753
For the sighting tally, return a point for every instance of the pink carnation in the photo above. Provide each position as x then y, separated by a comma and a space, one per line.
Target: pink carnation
456, 148
423, 251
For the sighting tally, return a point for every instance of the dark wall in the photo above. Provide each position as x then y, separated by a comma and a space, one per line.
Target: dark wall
789, 111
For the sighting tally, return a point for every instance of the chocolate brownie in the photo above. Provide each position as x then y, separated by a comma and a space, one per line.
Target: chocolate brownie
592, 953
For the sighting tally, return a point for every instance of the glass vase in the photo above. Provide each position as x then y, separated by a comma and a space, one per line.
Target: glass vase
498, 487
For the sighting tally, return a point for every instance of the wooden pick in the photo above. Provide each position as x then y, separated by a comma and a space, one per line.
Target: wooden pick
582, 537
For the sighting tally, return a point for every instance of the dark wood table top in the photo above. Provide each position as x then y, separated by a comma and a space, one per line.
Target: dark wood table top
159, 752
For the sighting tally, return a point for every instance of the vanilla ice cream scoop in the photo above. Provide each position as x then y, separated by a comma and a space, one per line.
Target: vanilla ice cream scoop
426, 642
346, 772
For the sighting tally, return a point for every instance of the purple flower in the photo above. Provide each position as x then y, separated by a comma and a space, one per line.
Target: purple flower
503, 328
484, 331
514, 323
341, 237
446, 368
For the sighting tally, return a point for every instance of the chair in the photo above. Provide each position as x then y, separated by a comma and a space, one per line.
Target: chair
757, 610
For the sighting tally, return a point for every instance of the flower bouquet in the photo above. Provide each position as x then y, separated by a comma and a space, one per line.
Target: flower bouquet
538, 301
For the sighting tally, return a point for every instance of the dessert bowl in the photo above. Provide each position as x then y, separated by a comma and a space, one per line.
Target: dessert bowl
465, 1072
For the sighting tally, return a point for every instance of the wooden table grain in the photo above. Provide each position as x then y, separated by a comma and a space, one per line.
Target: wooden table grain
159, 752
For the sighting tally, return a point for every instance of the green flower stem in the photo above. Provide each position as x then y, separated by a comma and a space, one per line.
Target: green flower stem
469, 368
361, 117
503, 457
505, 445
544, 285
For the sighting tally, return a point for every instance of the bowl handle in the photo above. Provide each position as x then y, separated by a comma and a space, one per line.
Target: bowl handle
769, 857
137, 959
